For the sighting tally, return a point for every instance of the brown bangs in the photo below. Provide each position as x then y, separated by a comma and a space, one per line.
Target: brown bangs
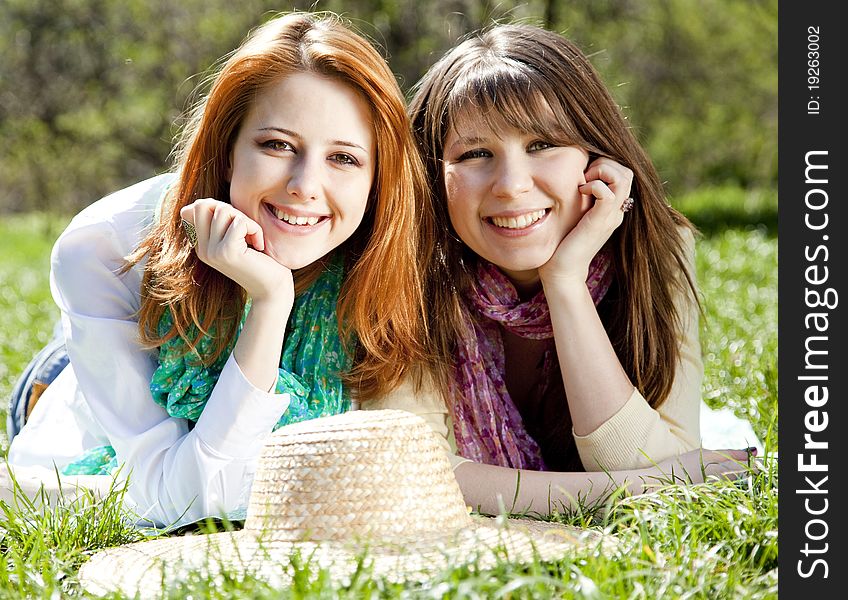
510, 93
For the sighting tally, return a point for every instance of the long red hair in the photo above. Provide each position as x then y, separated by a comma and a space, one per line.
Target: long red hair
381, 303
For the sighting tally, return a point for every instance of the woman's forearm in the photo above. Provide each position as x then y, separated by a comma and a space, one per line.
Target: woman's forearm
491, 489
260, 343
595, 382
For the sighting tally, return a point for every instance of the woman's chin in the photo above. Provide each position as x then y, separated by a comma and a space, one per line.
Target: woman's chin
293, 261
523, 262
297, 260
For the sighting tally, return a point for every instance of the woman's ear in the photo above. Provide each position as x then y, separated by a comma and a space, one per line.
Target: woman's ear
229, 173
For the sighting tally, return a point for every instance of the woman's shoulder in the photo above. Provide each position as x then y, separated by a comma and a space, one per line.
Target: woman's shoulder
687, 236
126, 206
688, 240
108, 230
120, 217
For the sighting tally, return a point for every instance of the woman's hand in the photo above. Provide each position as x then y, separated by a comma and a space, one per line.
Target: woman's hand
596, 384
609, 184
697, 466
490, 487
232, 243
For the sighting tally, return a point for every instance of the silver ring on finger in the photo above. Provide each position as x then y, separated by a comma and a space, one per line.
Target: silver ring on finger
191, 233
627, 204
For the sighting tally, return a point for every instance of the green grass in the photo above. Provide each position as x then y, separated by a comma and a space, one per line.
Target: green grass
708, 541
737, 272
25, 302
44, 549
718, 208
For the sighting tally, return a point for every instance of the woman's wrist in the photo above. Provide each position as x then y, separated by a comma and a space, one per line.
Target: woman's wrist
564, 291
267, 319
260, 344
279, 294
275, 308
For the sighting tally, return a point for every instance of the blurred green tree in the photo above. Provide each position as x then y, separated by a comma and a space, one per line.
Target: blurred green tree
91, 91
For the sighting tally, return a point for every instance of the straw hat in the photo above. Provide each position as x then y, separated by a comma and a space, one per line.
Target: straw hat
373, 484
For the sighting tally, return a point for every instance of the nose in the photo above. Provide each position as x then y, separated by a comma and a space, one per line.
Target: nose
304, 179
512, 178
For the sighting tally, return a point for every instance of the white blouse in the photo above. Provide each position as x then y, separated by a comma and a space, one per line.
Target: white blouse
176, 474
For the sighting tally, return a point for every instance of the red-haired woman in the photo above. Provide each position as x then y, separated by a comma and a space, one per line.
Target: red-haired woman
271, 278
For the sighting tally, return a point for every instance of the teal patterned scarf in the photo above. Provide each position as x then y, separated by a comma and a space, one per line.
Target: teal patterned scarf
313, 359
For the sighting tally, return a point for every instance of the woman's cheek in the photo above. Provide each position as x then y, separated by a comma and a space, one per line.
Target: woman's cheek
456, 218
451, 191
453, 196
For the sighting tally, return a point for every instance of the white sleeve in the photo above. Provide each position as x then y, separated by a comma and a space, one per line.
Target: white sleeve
175, 474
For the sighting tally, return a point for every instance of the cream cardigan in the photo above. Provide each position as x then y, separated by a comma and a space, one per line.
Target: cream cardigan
635, 437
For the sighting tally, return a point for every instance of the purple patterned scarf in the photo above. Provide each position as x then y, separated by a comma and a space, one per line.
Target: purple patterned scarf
487, 425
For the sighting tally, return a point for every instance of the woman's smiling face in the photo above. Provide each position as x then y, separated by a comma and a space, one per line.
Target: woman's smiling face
512, 197
302, 166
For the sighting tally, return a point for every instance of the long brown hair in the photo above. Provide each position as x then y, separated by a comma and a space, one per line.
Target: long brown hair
381, 300
538, 81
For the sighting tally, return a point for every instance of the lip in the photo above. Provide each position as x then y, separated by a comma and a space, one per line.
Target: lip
506, 214
287, 227
295, 211
511, 233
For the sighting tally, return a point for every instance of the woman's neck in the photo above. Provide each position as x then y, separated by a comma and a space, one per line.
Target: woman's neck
526, 283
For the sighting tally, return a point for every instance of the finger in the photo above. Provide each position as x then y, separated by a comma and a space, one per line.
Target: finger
618, 177
728, 470
746, 459
222, 218
240, 230
202, 213
609, 171
730, 464
254, 234
187, 213
599, 190
234, 227
607, 205
727, 455
233, 242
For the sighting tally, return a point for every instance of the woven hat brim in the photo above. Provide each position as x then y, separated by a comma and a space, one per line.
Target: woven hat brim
148, 568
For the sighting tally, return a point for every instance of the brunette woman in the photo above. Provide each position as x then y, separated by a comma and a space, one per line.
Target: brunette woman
563, 297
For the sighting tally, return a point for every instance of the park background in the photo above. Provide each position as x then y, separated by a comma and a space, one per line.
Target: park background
92, 93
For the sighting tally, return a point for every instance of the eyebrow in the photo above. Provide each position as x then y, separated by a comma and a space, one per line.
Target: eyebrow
465, 141
470, 140
298, 136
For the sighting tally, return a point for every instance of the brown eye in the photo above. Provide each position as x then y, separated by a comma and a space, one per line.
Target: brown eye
344, 159
539, 145
277, 146
476, 153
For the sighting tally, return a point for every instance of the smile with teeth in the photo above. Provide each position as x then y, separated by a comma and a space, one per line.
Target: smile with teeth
519, 222
296, 220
